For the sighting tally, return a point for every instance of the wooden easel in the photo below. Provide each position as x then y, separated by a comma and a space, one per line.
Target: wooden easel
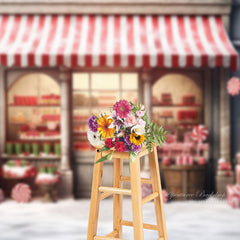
100, 192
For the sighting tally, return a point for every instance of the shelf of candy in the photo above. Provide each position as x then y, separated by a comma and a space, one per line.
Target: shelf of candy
188, 100
82, 146
18, 169
82, 100
80, 128
22, 100
49, 132
106, 101
187, 115
18, 118
45, 100
33, 150
47, 174
50, 99
189, 152
166, 114
83, 118
166, 99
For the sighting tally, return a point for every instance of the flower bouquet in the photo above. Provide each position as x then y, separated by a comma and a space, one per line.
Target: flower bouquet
126, 129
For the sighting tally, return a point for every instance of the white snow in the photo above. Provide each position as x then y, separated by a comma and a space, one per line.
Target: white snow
68, 219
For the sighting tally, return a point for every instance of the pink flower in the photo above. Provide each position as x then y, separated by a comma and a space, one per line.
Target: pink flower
233, 86
122, 108
140, 113
141, 122
130, 120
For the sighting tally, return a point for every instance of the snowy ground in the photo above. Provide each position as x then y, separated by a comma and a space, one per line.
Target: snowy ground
68, 219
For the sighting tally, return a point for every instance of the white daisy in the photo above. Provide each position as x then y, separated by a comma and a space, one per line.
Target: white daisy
94, 138
138, 129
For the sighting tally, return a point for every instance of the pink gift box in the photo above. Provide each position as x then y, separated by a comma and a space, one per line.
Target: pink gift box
184, 160
178, 160
237, 173
166, 161
201, 161
190, 160
233, 195
224, 165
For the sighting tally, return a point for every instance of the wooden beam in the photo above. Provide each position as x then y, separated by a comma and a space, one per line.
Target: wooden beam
176, 7
143, 180
115, 190
149, 198
145, 225
105, 195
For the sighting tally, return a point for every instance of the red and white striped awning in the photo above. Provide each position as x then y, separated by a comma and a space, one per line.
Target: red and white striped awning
126, 41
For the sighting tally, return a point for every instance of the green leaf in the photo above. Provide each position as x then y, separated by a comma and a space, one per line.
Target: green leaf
132, 156
106, 157
104, 148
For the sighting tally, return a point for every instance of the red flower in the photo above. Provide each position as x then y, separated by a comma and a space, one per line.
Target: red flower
120, 147
109, 143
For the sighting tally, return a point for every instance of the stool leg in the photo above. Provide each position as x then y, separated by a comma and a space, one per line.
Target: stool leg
136, 199
117, 198
156, 185
95, 198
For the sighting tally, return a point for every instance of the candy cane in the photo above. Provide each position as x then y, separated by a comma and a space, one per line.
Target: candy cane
165, 196
21, 193
199, 133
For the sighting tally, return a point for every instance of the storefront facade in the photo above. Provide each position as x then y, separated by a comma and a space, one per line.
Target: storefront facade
104, 51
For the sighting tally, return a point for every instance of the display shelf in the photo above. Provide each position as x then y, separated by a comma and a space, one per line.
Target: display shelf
37, 105
176, 105
40, 139
31, 157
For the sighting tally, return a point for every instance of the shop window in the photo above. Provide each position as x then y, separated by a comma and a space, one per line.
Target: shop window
178, 106
33, 117
94, 93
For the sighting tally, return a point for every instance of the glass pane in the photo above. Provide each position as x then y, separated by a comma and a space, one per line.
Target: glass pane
130, 96
80, 81
105, 81
129, 81
80, 127
81, 99
104, 98
80, 118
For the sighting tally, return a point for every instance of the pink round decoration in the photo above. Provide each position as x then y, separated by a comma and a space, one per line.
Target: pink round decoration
1, 195
201, 161
166, 161
165, 196
21, 193
199, 133
233, 86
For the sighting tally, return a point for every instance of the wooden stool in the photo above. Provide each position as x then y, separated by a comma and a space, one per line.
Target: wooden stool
99, 193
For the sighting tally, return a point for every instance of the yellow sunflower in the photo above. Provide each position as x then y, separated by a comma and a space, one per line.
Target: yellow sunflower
103, 128
137, 139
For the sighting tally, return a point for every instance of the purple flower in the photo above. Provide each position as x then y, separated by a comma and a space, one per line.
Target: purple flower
127, 140
136, 148
126, 149
92, 124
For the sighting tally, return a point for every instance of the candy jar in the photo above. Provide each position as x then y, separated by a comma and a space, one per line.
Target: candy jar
9, 148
